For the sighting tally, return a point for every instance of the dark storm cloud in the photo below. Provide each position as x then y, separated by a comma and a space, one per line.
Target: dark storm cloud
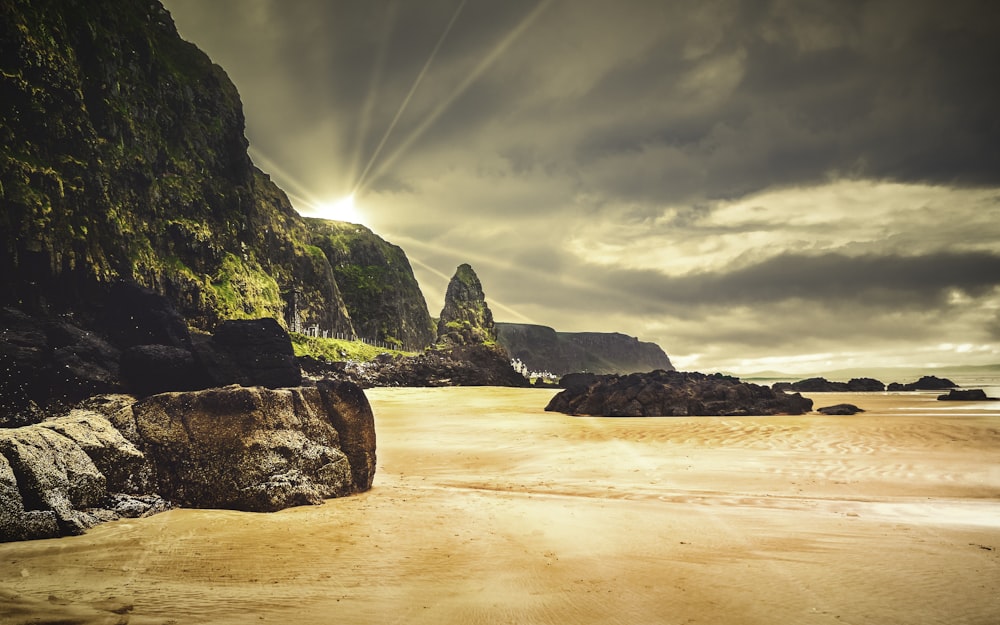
898, 90
890, 281
880, 282
906, 99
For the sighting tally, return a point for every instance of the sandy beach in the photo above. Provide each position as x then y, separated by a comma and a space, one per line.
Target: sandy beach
486, 509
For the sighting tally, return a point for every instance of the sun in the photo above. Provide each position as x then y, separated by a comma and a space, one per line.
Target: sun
342, 209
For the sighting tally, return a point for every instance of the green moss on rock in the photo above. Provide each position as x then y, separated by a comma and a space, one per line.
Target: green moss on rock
466, 319
376, 282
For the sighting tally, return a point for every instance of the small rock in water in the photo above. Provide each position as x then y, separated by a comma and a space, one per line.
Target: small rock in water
840, 409
972, 394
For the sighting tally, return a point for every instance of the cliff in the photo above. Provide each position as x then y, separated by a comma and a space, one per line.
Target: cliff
541, 348
377, 284
125, 158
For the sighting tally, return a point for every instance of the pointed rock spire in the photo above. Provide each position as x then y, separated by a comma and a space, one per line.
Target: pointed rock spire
465, 318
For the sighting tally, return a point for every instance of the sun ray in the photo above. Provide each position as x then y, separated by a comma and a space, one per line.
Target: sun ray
492, 301
287, 180
478, 71
370, 99
406, 100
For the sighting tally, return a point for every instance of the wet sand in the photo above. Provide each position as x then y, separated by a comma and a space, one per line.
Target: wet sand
486, 509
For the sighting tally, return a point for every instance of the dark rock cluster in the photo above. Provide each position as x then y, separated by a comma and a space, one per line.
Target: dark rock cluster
925, 383
50, 364
673, 393
143, 347
221, 421
972, 394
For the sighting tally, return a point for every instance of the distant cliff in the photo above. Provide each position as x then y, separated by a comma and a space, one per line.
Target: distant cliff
541, 348
124, 157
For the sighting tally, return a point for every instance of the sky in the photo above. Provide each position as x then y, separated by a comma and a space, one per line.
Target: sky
753, 185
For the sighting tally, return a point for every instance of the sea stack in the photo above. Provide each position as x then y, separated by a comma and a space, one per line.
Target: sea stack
465, 318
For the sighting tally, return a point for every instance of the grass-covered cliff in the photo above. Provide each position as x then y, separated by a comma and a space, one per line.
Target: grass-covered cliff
124, 157
377, 284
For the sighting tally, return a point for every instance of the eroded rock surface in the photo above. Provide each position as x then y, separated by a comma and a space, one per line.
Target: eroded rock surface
250, 448
64, 475
244, 448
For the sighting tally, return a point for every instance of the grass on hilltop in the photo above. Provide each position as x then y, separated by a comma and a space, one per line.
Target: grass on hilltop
339, 349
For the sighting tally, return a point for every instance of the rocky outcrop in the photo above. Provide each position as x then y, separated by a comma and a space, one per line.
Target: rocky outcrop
541, 348
48, 364
972, 394
240, 448
839, 409
822, 385
577, 382
466, 319
925, 383
673, 393
150, 369
377, 284
249, 352
865, 385
133, 315
257, 449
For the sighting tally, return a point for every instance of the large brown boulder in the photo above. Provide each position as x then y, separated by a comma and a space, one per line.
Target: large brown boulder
675, 393
257, 449
235, 447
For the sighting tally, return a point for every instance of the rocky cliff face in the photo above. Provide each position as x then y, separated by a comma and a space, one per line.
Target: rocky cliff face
377, 284
541, 348
125, 158
465, 318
